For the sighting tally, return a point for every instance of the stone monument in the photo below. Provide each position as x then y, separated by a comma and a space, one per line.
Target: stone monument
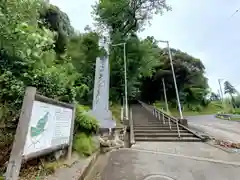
100, 107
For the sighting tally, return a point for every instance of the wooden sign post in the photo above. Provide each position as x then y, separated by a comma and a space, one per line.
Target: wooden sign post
45, 126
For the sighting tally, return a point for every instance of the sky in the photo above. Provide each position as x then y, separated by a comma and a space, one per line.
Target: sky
204, 29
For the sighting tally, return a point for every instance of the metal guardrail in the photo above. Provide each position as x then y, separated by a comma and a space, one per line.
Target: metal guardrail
157, 113
170, 118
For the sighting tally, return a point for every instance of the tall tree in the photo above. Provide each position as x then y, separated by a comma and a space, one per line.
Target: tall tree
58, 21
230, 89
127, 16
214, 97
124, 18
189, 71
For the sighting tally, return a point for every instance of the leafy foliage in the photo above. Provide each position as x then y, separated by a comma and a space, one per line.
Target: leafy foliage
147, 63
229, 88
214, 97
127, 17
84, 122
33, 52
189, 71
59, 22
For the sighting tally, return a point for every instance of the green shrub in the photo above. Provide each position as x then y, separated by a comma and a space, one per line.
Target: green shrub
195, 108
84, 144
84, 122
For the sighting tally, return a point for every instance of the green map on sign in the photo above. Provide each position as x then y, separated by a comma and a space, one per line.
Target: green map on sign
36, 131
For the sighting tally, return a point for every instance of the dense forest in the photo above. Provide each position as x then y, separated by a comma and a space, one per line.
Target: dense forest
40, 48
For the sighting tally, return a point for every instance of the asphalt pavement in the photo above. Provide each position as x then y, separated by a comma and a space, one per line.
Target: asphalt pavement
156, 161
218, 128
175, 160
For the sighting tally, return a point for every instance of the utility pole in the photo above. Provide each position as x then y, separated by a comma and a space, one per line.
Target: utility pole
165, 95
125, 77
219, 94
174, 77
175, 81
220, 86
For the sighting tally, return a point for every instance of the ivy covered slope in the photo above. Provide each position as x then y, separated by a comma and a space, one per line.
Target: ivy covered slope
40, 48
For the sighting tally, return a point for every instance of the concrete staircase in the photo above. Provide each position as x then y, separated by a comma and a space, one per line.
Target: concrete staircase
149, 128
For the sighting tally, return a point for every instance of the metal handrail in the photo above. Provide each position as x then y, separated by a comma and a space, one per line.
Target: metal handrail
176, 121
155, 111
173, 119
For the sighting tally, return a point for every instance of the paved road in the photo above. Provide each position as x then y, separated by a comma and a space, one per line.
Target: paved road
221, 129
169, 161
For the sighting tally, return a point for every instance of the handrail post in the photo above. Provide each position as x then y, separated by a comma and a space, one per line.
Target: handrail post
163, 118
169, 122
157, 113
178, 129
122, 114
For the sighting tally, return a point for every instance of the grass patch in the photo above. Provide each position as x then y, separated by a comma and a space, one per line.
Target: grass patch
84, 144
235, 118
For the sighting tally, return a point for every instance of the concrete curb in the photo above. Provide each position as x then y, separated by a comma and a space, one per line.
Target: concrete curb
89, 166
184, 156
227, 119
218, 116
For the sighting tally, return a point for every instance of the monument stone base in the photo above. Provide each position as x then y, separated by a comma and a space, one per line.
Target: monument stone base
105, 119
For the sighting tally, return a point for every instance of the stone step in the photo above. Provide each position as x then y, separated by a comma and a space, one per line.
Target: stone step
144, 120
154, 125
147, 127
168, 139
156, 128
159, 134
151, 120
148, 123
159, 131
